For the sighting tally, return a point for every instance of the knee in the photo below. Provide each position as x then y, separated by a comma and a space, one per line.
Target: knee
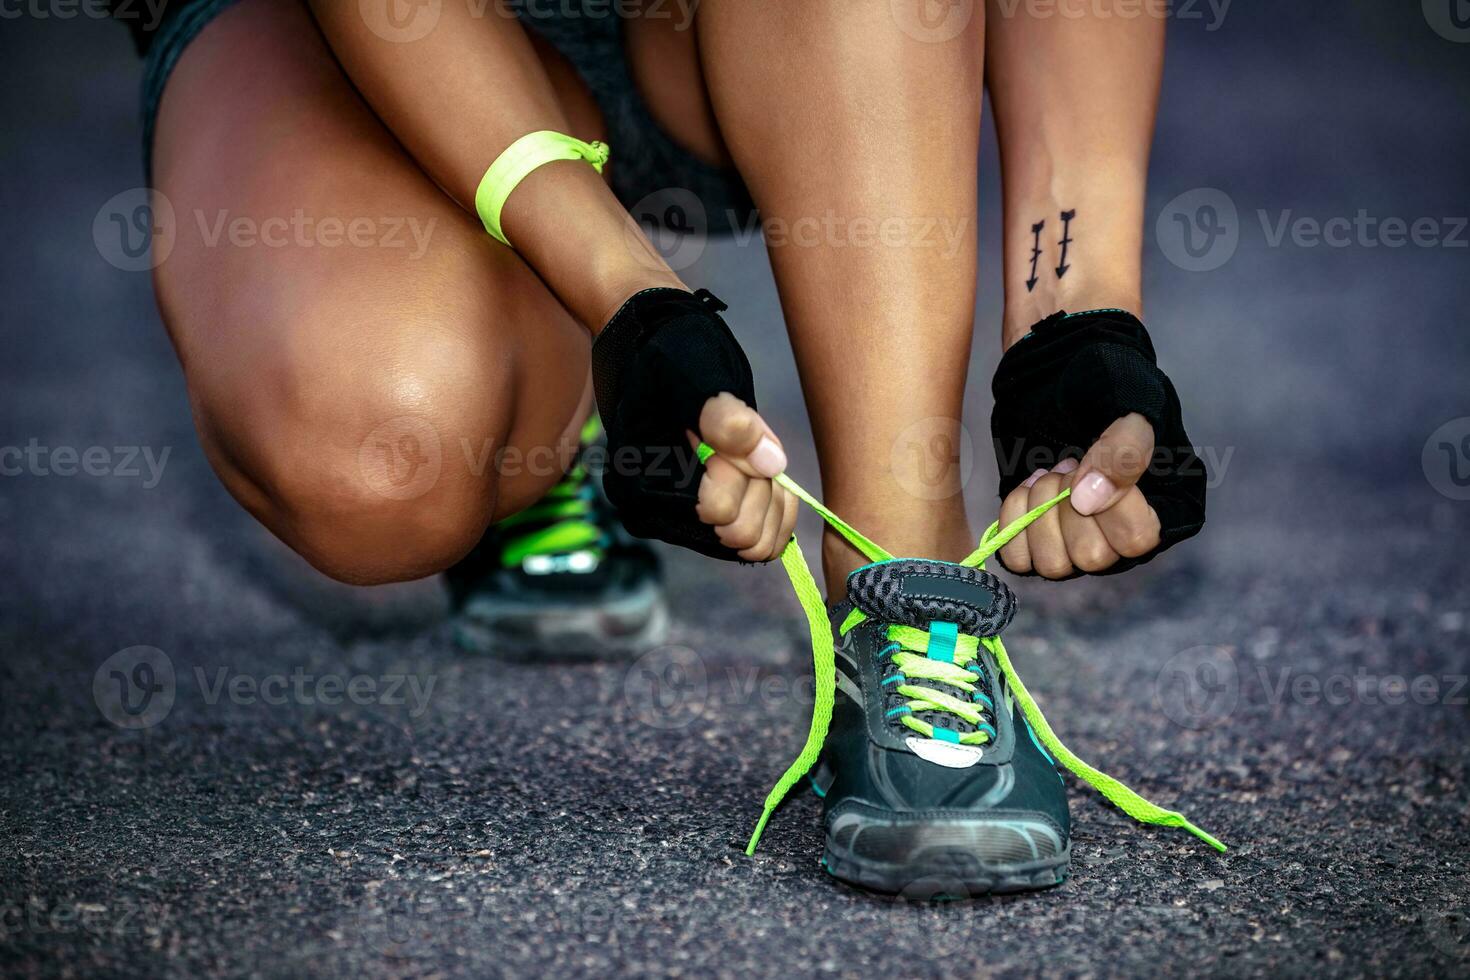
376, 472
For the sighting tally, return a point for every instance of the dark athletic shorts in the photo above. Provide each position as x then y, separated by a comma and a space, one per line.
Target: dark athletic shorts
655, 178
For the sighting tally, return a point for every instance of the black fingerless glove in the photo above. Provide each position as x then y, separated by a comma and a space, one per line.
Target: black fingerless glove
1061, 385
664, 354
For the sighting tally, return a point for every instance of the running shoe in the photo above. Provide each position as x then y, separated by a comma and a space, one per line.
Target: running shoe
561, 579
933, 783
936, 765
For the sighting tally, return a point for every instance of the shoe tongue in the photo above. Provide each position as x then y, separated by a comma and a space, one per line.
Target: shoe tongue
918, 591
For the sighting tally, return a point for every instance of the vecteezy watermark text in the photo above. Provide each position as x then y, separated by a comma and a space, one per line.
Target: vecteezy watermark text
308, 231
137, 688
1200, 230
127, 462
1202, 686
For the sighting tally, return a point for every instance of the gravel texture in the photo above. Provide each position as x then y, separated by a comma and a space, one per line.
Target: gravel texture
1294, 679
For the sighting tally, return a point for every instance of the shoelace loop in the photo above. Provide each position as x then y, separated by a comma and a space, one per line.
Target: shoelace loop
912, 662
915, 640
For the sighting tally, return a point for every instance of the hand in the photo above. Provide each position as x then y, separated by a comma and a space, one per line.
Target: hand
665, 366
752, 514
1106, 517
1091, 380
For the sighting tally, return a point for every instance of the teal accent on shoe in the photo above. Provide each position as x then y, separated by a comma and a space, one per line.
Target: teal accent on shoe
1038, 745
946, 735
821, 793
942, 639
902, 709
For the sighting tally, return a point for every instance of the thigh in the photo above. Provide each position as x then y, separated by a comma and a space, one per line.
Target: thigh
358, 351
663, 60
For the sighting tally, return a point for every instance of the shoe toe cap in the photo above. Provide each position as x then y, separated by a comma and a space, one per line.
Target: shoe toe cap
940, 837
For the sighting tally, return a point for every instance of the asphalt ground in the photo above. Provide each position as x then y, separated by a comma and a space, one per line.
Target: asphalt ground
1294, 678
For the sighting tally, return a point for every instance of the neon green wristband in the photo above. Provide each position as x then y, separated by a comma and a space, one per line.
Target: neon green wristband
518, 160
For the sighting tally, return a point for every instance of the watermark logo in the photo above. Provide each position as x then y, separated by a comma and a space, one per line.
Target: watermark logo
306, 689
148, 14
401, 458
1199, 230
1446, 918
105, 917
674, 222
1211, 13
667, 687
137, 688
123, 462
134, 688
932, 21
303, 230
135, 230
947, 234
932, 459
400, 21
1450, 19
942, 908
1446, 459
1199, 687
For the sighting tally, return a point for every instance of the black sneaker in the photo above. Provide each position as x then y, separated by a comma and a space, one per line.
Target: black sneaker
933, 782
927, 747
561, 579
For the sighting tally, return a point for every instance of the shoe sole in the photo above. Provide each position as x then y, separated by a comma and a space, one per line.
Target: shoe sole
616, 629
945, 874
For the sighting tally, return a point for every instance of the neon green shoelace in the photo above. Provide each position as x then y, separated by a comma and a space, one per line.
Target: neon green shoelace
563, 519
910, 655
916, 642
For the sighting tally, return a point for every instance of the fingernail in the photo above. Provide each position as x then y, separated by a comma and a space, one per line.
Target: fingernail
768, 458
1092, 493
1065, 466
1031, 480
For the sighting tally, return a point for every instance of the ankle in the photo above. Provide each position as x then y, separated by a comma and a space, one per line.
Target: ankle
945, 536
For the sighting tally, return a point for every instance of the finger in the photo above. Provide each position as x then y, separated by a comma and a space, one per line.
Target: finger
1087, 547
1130, 525
734, 430
765, 547
1113, 464
1044, 537
1016, 556
747, 527
791, 508
721, 491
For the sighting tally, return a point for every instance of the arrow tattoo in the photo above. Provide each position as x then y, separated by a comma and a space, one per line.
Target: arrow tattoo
1035, 252
1067, 217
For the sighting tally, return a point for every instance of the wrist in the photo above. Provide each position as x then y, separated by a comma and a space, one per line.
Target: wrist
1023, 310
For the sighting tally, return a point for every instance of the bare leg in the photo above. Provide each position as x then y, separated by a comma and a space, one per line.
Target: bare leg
456, 98
1075, 99
351, 397
859, 144
459, 96
355, 398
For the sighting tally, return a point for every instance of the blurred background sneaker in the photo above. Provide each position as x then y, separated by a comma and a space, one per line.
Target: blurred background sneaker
560, 579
